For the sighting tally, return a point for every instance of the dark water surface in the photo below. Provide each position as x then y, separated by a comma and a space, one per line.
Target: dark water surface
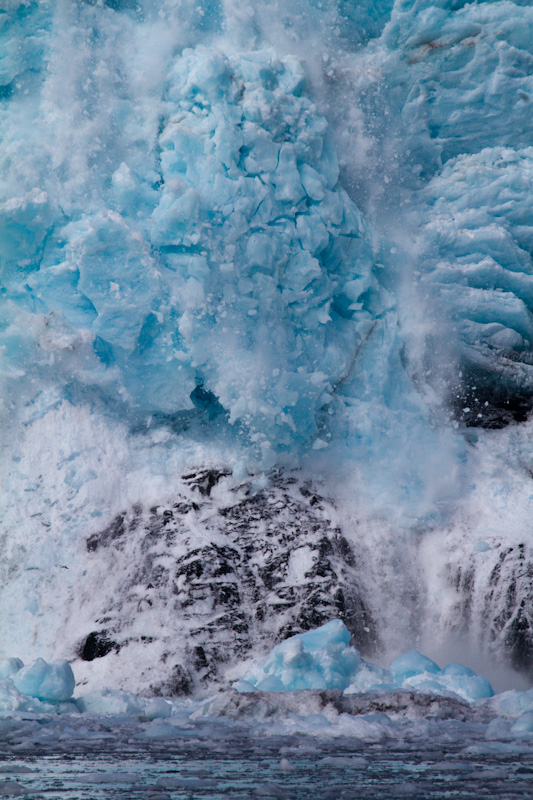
89, 760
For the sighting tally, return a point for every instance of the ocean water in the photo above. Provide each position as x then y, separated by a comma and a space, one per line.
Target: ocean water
102, 759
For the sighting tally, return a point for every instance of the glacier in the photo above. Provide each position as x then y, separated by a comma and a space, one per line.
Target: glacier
266, 336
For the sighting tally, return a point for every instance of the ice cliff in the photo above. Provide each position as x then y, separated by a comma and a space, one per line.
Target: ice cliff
266, 331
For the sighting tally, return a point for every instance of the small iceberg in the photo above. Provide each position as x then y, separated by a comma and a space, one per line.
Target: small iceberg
324, 659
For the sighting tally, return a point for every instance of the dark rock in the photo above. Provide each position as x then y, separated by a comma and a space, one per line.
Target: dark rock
230, 577
498, 608
97, 645
484, 403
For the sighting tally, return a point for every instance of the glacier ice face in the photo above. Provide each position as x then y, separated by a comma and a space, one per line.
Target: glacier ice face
452, 76
188, 257
238, 276
479, 225
457, 72
270, 261
296, 234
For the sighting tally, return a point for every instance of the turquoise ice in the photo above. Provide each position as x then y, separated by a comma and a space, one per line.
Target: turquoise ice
324, 659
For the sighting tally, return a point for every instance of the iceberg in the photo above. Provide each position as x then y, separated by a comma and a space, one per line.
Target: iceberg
319, 659
324, 659
52, 682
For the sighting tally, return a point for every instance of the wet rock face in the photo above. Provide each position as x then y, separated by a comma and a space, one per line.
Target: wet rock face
510, 600
97, 645
497, 604
221, 572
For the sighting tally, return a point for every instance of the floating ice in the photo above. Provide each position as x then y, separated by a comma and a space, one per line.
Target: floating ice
319, 659
114, 702
523, 725
52, 682
108, 701
324, 659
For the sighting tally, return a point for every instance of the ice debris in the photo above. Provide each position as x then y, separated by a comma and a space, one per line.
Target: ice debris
324, 659
237, 280
52, 682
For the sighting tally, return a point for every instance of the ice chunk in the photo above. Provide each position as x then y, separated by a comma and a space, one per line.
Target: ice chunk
318, 659
323, 659
409, 664
513, 703
52, 682
467, 687
10, 698
523, 725
112, 702
9, 666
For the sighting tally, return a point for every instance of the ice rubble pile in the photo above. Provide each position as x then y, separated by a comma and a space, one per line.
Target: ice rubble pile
324, 659
321, 659
317, 660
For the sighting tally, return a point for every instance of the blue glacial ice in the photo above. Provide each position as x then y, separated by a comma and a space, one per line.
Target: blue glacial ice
39, 685
295, 237
205, 263
479, 227
238, 277
452, 76
324, 659
188, 251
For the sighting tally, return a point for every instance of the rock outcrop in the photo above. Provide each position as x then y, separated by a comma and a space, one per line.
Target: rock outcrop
220, 572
